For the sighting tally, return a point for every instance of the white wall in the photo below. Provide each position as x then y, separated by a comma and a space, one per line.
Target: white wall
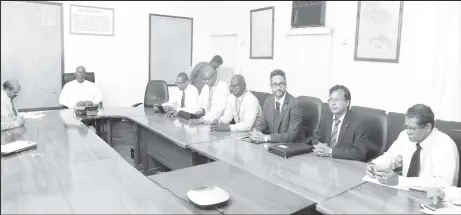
120, 62
428, 71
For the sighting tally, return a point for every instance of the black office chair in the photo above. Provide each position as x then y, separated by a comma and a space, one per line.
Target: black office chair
359, 109
312, 112
261, 96
445, 126
68, 77
156, 93
455, 134
396, 122
377, 124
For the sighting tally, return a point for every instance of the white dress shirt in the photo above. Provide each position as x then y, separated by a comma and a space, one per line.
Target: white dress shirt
218, 95
8, 111
74, 92
439, 160
191, 100
280, 101
245, 110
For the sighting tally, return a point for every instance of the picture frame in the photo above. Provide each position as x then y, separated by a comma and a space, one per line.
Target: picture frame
378, 31
89, 20
262, 33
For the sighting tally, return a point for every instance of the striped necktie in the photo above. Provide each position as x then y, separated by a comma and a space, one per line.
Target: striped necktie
334, 136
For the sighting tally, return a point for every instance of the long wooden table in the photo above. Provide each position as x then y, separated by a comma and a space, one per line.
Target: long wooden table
74, 171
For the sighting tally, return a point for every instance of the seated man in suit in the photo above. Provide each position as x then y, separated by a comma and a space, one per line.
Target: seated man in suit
242, 107
346, 138
197, 73
428, 157
10, 117
186, 99
281, 120
212, 98
80, 92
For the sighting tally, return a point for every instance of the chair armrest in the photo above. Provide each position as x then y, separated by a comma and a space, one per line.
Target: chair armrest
137, 104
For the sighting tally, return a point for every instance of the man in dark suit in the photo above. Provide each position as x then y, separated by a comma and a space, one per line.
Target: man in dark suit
282, 114
341, 133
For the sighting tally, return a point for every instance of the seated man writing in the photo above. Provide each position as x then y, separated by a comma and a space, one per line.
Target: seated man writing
186, 99
80, 92
242, 107
428, 157
10, 117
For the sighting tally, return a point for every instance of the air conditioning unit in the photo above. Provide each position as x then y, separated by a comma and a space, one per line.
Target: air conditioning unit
308, 14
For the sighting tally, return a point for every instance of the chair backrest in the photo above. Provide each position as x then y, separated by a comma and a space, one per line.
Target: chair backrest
312, 112
377, 124
445, 126
67, 77
156, 93
455, 135
261, 96
396, 122
359, 109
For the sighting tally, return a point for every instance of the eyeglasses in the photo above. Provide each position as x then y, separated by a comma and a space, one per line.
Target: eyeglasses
335, 100
281, 84
413, 129
178, 83
233, 87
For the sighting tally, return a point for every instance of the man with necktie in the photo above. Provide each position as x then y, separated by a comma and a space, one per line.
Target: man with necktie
281, 120
427, 156
185, 99
341, 134
10, 117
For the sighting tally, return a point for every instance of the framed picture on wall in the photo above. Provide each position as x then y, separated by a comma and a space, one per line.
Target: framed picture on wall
262, 33
88, 20
378, 31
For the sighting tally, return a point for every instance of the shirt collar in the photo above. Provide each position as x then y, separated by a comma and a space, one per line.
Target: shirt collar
282, 100
427, 141
341, 117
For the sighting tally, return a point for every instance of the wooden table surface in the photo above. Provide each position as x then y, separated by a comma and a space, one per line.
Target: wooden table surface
315, 178
248, 194
370, 198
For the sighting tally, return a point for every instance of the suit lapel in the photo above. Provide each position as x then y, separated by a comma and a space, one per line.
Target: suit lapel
344, 128
328, 130
283, 112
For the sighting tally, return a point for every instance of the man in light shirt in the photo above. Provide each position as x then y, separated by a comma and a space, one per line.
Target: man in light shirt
212, 98
10, 117
80, 92
428, 157
186, 99
242, 107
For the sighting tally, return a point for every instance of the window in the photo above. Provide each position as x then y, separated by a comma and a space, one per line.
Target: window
308, 14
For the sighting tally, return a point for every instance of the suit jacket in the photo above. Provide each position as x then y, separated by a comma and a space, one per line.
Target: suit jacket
288, 127
352, 140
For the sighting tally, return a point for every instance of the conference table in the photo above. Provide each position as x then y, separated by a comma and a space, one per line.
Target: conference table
74, 170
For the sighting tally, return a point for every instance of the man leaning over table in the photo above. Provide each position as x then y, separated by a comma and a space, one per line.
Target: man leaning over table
242, 107
10, 117
428, 157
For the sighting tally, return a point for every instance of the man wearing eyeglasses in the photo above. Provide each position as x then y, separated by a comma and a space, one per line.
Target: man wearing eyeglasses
343, 135
212, 99
428, 157
10, 117
242, 107
197, 72
282, 114
186, 99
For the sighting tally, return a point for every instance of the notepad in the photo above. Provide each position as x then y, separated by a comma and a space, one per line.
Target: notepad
17, 146
374, 180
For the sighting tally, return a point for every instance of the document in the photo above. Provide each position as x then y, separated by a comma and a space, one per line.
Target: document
28, 115
448, 209
374, 180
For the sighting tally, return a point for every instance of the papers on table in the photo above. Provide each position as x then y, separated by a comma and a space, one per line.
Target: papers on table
447, 209
374, 180
28, 115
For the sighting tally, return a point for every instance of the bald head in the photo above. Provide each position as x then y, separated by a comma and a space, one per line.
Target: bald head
80, 74
11, 88
237, 85
210, 76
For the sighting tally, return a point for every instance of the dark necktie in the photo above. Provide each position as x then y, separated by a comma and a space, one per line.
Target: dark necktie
14, 109
183, 98
334, 133
413, 170
277, 110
